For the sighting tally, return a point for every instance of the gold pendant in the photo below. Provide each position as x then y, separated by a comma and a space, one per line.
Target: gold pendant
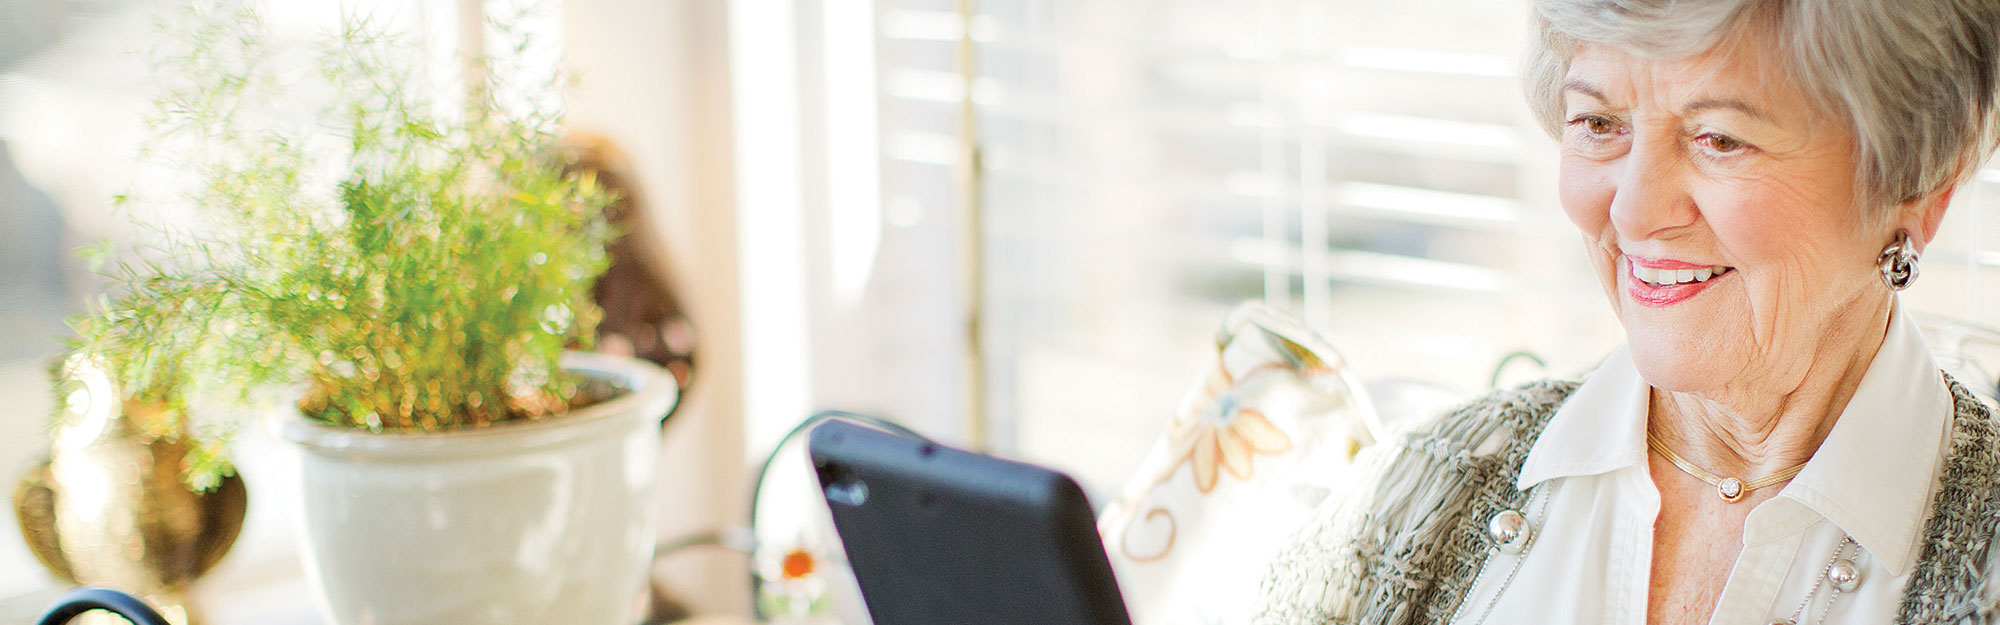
1731, 489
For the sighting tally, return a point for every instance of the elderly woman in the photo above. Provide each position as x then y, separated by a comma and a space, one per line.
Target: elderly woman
1754, 180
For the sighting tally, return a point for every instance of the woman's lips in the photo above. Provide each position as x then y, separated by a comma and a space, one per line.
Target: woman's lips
1660, 282
1663, 263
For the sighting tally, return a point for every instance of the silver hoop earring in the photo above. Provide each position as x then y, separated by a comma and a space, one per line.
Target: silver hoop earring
1899, 262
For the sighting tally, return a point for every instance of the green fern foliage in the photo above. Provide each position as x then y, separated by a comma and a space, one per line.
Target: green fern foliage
409, 257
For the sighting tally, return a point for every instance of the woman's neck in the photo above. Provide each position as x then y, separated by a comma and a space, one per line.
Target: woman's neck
1762, 424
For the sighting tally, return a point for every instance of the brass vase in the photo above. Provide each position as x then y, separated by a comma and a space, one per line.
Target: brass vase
109, 508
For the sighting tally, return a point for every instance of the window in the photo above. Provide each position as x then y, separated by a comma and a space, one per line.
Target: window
1370, 167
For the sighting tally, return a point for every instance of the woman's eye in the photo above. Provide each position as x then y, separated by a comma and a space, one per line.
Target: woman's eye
1594, 124
1722, 144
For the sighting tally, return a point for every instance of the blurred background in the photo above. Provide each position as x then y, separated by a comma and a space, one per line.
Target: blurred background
1009, 224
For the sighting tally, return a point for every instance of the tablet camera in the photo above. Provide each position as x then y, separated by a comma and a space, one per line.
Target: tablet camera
841, 487
848, 493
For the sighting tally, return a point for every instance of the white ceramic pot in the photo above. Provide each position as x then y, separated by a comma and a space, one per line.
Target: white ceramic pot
531, 523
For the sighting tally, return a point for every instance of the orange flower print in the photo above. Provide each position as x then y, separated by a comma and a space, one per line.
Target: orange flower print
793, 574
798, 563
1221, 433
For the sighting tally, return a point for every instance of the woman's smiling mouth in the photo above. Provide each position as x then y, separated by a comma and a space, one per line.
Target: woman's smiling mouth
1659, 282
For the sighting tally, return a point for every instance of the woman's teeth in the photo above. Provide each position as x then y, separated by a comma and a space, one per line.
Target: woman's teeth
1670, 277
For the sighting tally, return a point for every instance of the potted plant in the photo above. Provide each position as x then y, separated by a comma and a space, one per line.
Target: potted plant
413, 267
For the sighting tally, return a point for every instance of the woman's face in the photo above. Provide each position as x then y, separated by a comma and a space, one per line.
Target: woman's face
1719, 211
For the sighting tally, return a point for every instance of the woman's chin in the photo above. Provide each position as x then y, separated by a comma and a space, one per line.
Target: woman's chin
1677, 365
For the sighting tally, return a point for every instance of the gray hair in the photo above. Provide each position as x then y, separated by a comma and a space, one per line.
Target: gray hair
1915, 78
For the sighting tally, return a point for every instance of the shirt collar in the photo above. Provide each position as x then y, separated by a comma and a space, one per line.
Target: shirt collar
1881, 499
1601, 428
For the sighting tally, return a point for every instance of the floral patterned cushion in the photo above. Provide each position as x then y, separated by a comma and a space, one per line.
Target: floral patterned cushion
1254, 447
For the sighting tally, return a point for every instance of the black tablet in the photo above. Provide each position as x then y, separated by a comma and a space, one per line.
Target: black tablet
943, 536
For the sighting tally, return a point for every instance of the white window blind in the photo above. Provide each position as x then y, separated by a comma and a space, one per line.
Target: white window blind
1370, 167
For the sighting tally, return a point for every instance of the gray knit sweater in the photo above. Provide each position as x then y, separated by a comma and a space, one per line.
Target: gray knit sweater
1409, 554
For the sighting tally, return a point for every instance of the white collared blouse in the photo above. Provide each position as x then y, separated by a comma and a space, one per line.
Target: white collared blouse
1872, 479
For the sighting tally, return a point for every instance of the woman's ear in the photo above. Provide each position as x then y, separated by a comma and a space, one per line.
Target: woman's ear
1922, 215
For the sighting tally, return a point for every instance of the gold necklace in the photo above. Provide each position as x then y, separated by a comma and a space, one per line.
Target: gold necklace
1730, 489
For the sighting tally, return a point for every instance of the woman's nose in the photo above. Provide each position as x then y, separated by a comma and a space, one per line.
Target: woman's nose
1652, 198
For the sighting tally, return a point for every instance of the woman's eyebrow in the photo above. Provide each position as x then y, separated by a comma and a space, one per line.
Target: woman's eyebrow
1585, 88
1725, 103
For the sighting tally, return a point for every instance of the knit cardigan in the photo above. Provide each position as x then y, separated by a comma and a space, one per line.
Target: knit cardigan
1409, 554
